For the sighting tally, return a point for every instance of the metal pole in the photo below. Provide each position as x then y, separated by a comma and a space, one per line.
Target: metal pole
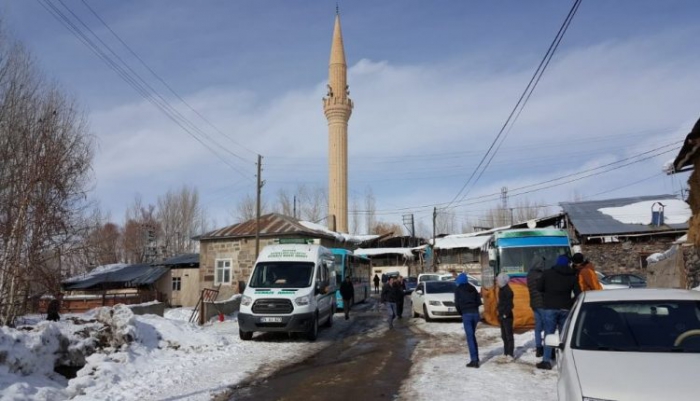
257, 212
434, 251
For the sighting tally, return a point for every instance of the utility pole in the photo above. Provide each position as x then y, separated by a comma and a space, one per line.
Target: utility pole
434, 261
257, 206
295, 206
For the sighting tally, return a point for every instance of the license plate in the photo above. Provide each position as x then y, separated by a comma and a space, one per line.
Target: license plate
452, 309
271, 319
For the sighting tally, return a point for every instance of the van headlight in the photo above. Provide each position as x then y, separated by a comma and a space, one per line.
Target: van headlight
303, 301
246, 300
435, 303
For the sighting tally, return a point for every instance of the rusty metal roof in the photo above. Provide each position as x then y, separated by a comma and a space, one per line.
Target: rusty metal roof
273, 224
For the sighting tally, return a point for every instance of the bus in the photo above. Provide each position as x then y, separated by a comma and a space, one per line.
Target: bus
358, 268
514, 252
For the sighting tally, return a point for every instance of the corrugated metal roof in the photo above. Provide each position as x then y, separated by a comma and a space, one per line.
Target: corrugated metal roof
587, 220
126, 277
185, 260
272, 224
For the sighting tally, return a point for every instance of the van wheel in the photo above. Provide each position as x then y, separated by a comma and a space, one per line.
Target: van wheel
245, 335
312, 334
425, 314
329, 322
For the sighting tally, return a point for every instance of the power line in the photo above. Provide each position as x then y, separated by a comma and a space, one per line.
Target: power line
158, 77
523, 98
135, 81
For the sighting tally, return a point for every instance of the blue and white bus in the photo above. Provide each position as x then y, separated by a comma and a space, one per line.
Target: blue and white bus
358, 268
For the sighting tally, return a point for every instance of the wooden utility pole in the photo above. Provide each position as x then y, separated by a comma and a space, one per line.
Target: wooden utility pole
257, 208
434, 261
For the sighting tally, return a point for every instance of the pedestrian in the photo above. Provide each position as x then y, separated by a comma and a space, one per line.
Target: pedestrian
347, 292
556, 286
376, 283
467, 302
536, 301
587, 279
388, 298
401, 295
505, 313
52, 310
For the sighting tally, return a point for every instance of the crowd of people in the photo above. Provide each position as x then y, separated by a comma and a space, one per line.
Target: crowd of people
552, 294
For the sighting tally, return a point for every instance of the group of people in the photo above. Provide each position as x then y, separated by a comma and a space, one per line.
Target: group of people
392, 296
550, 299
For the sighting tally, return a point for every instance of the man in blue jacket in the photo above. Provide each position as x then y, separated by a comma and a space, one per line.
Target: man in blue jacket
467, 302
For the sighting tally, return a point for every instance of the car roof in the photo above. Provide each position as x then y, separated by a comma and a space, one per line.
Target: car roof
641, 294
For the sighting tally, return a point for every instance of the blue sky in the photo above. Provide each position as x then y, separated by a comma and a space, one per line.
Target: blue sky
432, 84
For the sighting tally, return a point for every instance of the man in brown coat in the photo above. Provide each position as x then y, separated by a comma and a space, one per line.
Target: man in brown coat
587, 279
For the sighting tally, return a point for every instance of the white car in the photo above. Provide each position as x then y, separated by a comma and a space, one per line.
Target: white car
632, 344
434, 300
434, 277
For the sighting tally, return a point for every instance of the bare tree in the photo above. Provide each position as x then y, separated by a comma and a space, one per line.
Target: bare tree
446, 221
180, 217
246, 208
45, 156
355, 216
141, 233
370, 209
381, 228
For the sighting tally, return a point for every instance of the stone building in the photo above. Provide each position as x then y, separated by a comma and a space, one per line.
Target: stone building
618, 235
688, 159
227, 255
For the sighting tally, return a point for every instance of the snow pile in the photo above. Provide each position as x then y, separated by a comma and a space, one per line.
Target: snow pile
120, 321
696, 288
675, 212
656, 257
182, 314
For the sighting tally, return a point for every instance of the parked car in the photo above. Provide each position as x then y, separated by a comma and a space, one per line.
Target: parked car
475, 282
606, 285
652, 335
627, 280
434, 277
434, 300
411, 284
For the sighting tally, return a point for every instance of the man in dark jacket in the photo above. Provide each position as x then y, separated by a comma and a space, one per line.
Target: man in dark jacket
347, 292
556, 286
376, 284
467, 302
401, 293
505, 313
389, 297
536, 301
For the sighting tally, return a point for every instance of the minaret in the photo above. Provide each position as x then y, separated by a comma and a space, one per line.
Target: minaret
337, 106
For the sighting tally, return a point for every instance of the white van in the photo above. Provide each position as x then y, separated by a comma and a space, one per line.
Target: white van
292, 289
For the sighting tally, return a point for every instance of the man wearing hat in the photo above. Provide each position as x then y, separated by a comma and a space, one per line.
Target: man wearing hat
587, 279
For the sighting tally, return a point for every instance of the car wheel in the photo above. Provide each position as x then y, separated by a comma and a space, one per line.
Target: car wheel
245, 335
425, 315
312, 334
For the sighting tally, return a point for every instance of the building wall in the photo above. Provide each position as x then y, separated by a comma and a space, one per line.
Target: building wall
241, 251
625, 256
189, 287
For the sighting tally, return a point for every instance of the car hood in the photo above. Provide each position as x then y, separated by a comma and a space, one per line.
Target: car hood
442, 297
637, 376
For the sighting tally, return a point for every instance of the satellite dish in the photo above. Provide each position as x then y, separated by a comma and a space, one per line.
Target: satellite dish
531, 224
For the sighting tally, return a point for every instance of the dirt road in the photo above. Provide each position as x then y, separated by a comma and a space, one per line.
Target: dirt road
361, 363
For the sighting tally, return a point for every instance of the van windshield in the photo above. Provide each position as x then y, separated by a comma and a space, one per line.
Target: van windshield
282, 275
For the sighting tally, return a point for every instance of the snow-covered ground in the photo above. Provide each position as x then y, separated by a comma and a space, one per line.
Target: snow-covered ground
439, 371
156, 358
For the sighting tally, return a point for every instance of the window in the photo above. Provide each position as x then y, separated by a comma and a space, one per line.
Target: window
223, 271
177, 283
282, 275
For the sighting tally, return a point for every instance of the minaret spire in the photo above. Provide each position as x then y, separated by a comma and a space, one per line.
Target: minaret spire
337, 106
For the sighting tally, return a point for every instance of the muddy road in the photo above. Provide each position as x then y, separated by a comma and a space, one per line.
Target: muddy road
363, 362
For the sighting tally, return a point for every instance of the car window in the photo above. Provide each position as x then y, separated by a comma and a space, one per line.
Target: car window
639, 326
614, 279
636, 280
440, 287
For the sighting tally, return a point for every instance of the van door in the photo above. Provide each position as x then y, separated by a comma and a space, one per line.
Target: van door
323, 299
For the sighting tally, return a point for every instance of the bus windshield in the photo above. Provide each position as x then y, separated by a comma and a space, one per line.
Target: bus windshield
282, 275
522, 259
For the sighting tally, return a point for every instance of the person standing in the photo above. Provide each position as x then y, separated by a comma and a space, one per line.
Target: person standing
401, 295
587, 279
556, 286
347, 292
467, 302
376, 283
388, 298
536, 302
505, 313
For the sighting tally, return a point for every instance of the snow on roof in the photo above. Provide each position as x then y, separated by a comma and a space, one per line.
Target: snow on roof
407, 252
339, 236
668, 167
675, 212
469, 241
97, 271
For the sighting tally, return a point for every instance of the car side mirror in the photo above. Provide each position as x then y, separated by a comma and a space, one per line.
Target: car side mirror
318, 289
552, 340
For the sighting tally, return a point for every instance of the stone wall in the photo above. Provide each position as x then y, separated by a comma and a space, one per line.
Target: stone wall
625, 256
211, 309
691, 255
150, 308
